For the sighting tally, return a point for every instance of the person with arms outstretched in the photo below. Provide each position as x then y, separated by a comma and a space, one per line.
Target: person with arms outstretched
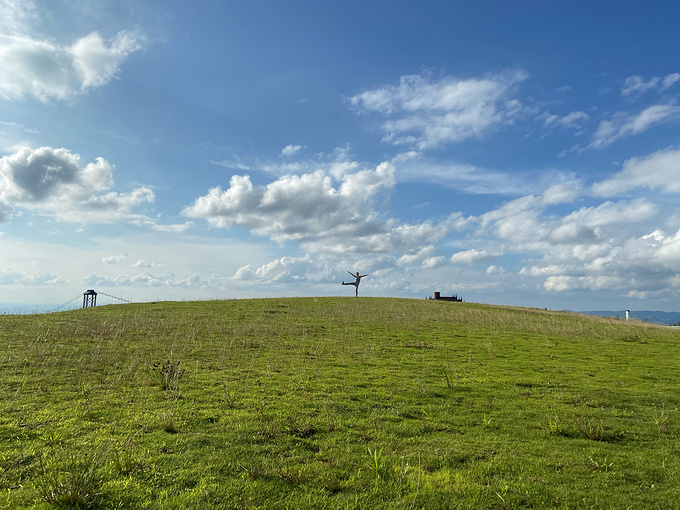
356, 282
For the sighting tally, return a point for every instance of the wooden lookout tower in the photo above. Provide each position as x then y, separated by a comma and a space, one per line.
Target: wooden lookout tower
89, 298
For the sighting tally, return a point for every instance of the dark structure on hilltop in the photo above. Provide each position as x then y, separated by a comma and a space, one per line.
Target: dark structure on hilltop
439, 297
89, 298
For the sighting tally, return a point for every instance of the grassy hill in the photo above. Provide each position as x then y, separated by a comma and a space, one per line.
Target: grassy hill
336, 403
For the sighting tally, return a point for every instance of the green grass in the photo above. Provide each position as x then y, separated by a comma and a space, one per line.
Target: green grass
336, 403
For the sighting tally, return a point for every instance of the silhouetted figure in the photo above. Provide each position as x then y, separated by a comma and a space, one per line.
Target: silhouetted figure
356, 282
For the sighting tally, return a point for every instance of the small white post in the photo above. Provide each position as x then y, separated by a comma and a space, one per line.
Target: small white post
627, 315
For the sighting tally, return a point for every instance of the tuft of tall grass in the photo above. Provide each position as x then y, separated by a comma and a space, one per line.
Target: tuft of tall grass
169, 372
70, 479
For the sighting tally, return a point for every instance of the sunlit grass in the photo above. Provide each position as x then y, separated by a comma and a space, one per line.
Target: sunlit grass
336, 403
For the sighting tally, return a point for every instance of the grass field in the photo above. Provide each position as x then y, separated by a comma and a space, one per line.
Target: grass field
336, 403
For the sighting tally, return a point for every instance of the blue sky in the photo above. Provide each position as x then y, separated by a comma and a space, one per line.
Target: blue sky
512, 154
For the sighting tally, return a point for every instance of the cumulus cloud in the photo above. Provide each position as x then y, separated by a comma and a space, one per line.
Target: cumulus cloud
291, 150
417, 255
637, 85
598, 223
299, 207
286, 270
658, 170
6, 212
46, 70
517, 220
166, 279
427, 114
637, 265
433, 262
623, 124
330, 217
472, 256
34, 176
564, 283
54, 181
143, 263
9, 276
609, 213
492, 269
115, 259
597, 247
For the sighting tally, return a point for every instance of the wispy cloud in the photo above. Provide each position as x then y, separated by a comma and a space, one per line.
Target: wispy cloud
572, 120
624, 124
636, 85
659, 170
423, 113
414, 167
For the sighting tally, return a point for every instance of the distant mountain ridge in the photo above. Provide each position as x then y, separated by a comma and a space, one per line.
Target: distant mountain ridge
655, 316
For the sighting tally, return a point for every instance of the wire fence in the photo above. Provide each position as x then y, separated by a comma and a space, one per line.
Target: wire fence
80, 296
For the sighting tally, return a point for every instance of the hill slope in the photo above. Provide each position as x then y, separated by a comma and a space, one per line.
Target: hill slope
336, 403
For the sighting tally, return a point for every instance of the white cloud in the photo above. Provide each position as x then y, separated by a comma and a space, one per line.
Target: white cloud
646, 264
144, 264
115, 259
20, 127
624, 124
166, 279
433, 262
286, 270
599, 247
473, 256
9, 276
297, 208
491, 270
416, 255
517, 220
608, 213
561, 193
428, 114
6, 212
565, 283
658, 170
291, 150
414, 167
15, 15
177, 227
54, 181
637, 85
573, 120
34, 176
596, 224
46, 70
